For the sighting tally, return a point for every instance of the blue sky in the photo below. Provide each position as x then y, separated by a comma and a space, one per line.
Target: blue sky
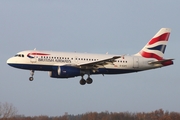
117, 27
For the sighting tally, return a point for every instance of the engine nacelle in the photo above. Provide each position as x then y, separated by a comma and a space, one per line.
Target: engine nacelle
64, 72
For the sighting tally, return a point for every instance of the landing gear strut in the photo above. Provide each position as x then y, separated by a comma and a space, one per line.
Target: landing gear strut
32, 74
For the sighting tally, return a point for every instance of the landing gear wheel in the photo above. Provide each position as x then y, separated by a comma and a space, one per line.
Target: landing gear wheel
32, 74
89, 80
31, 78
82, 81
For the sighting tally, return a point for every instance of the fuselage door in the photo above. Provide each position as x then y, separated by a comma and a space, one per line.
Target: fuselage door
135, 62
33, 58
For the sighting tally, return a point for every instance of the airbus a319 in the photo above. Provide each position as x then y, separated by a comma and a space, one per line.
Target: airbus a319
72, 64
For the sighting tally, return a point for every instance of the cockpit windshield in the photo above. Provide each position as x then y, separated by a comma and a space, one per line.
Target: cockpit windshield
19, 55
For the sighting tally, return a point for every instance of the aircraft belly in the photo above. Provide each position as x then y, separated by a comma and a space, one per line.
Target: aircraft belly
113, 71
32, 66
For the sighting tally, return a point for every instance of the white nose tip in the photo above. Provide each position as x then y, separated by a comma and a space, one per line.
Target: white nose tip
9, 61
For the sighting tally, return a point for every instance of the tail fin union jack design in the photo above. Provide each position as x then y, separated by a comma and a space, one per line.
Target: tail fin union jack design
155, 48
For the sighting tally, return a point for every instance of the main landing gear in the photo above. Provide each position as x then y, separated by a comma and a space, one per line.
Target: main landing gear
32, 74
88, 80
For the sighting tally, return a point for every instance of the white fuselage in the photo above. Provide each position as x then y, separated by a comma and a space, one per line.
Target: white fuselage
48, 61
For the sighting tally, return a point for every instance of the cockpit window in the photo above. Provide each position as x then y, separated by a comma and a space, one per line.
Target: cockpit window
19, 55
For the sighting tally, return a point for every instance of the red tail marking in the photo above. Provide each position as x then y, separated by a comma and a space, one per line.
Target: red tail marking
38, 54
163, 37
167, 63
150, 55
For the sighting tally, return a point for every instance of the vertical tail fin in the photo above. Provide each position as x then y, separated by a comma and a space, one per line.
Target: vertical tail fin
155, 48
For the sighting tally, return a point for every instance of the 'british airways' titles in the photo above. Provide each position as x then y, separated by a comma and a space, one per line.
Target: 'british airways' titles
53, 60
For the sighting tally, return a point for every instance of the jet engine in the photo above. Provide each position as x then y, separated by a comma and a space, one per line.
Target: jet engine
64, 72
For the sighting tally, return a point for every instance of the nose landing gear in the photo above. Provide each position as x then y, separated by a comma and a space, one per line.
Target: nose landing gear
32, 74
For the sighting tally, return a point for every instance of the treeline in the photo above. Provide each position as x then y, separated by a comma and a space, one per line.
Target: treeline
155, 115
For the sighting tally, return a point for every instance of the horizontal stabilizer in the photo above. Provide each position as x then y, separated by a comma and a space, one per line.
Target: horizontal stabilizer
164, 62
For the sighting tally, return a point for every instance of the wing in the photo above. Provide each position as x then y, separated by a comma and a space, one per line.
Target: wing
96, 64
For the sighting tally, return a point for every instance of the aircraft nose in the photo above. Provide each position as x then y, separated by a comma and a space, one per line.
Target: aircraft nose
9, 61
13, 63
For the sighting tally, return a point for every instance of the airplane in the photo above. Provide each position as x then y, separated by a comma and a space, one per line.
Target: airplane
72, 64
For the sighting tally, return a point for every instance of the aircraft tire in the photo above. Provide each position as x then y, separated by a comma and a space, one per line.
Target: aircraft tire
31, 78
89, 80
82, 82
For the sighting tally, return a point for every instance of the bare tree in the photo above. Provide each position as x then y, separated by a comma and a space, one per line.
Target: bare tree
7, 110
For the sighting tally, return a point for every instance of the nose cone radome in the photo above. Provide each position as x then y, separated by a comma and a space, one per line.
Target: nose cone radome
14, 62
10, 61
